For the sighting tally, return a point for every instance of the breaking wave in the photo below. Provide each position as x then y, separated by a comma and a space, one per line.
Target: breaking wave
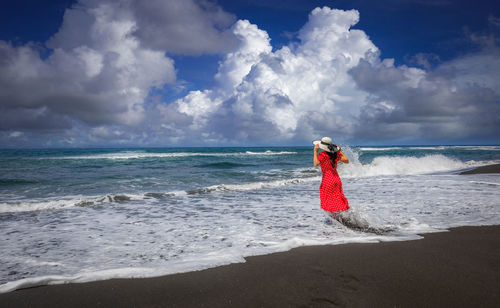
141, 155
252, 186
68, 202
268, 152
380, 166
404, 165
224, 165
433, 148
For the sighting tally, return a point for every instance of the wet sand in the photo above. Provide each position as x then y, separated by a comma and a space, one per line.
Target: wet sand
484, 169
460, 268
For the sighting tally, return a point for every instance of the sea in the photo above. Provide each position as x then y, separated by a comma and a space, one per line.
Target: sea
78, 215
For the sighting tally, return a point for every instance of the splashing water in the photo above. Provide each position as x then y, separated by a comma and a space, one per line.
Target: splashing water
81, 215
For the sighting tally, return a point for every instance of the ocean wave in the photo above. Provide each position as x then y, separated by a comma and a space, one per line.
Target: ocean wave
268, 152
480, 148
75, 201
485, 183
65, 202
433, 148
209, 260
380, 166
252, 185
441, 147
404, 165
403, 148
224, 165
79, 278
141, 155
380, 149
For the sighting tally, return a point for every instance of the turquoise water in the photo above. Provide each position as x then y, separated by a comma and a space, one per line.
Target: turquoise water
88, 214
44, 173
29, 174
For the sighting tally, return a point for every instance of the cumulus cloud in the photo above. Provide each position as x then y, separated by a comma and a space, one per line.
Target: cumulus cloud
103, 62
97, 72
95, 83
457, 100
333, 82
293, 93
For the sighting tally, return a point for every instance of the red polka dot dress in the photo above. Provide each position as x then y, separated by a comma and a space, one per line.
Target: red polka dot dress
330, 192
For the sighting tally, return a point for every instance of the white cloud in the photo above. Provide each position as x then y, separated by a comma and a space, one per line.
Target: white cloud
297, 92
102, 63
459, 99
333, 82
108, 55
97, 72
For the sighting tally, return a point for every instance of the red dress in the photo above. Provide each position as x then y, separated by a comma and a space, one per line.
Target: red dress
330, 192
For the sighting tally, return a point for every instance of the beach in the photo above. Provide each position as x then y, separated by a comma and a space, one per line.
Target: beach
249, 154
243, 227
484, 170
459, 268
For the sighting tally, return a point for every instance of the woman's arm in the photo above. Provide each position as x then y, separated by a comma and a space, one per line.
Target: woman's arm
343, 158
316, 160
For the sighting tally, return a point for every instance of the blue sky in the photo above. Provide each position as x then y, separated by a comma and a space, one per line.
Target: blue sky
163, 73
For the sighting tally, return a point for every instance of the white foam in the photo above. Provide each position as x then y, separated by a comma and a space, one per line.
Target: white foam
207, 260
480, 148
255, 185
403, 165
380, 166
239, 225
280, 210
403, 148
379, 149
66, 202
73, 201
36, 205
268, 152
140, 154
200, 262
433, 148
485, 183
78, 278
299, 242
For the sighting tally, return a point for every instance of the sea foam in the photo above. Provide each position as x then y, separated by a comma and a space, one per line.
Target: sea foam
404, 165
140, 155
380, 166
127, 214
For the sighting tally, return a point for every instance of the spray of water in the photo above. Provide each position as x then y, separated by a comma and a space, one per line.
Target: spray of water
356, 221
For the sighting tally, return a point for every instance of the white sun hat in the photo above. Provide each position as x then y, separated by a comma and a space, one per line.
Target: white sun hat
326, 144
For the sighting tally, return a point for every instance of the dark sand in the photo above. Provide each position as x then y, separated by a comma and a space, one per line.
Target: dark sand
460, 268
484, 169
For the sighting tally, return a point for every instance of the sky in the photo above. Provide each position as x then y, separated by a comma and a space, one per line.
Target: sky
102, 73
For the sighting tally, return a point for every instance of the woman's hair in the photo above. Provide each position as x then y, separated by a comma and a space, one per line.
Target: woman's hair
333, 157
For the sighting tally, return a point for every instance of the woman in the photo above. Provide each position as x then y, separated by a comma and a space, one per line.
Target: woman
330, 192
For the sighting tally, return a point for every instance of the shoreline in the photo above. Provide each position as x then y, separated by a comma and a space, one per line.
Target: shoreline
456, 268
483, 170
